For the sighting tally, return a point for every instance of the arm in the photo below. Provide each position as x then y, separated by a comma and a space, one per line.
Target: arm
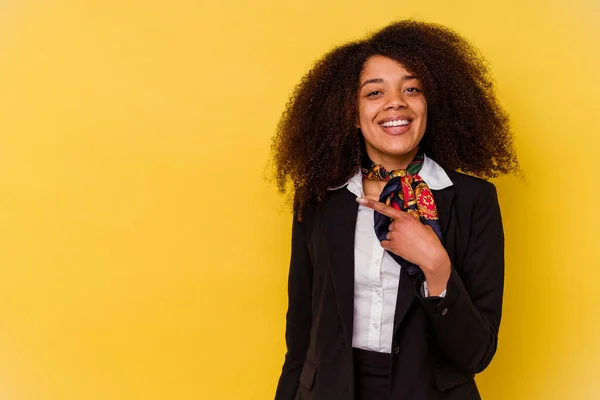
299, 314
467, 319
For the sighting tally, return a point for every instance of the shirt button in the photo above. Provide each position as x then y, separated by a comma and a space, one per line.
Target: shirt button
377, 260
375, 325
378, 292
444, 311
396, 349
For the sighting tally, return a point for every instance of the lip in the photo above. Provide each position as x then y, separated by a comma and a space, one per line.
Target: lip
396, 130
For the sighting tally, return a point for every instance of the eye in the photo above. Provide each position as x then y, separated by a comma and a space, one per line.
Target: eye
413, 90
374, 93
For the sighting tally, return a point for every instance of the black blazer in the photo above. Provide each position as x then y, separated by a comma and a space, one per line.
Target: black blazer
438, 344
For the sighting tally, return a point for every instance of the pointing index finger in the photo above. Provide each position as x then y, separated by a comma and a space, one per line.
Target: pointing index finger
380, 207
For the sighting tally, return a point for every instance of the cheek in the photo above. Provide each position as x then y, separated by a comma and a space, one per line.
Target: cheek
366, 113
361, 121
423, 109
423, 116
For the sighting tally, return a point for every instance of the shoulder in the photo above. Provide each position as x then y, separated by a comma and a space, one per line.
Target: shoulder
476, 200
335, 202
308, 212
473, 194
470, 185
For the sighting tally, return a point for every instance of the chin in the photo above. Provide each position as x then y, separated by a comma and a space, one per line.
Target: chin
399, 150
393, 146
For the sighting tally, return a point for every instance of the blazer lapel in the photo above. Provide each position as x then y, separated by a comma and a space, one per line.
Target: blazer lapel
340, 213
444, 199
406, 288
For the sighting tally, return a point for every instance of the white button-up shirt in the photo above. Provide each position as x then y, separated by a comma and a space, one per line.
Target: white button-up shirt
376, 273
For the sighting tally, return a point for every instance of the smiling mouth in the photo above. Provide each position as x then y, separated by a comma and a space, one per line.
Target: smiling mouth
396, 126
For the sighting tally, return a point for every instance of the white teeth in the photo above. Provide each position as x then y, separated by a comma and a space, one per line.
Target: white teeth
397, 122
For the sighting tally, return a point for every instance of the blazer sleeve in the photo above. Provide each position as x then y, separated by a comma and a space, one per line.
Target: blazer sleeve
299, 313
466, 321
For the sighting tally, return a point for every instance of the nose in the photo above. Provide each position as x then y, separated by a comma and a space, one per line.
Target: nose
395, 101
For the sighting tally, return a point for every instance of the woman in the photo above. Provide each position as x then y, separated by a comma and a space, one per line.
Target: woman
396, 295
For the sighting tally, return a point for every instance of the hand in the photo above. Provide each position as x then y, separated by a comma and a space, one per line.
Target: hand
416, 243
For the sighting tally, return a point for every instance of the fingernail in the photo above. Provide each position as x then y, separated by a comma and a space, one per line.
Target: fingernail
361, 200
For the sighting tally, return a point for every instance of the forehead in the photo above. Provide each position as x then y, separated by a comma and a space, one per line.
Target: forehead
383, 67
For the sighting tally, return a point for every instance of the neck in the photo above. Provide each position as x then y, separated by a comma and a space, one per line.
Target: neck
373, 189
392, 162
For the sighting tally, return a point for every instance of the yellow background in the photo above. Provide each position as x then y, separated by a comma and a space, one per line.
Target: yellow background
142, 254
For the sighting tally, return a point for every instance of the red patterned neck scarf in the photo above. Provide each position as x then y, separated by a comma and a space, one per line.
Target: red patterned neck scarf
405, 191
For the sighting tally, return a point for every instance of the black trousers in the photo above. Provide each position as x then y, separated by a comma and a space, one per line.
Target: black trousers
371, 375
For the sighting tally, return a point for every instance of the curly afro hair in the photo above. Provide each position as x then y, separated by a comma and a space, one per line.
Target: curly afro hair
317, 144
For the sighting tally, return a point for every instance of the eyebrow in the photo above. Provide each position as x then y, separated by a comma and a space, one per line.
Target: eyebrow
380, 80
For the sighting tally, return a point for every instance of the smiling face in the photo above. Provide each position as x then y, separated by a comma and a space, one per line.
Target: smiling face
392, 112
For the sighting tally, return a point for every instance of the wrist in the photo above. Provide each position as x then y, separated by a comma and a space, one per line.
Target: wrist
435, 290
439, 266
437, 276
426, 294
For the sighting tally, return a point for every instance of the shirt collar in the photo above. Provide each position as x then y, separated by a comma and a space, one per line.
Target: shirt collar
432, 173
